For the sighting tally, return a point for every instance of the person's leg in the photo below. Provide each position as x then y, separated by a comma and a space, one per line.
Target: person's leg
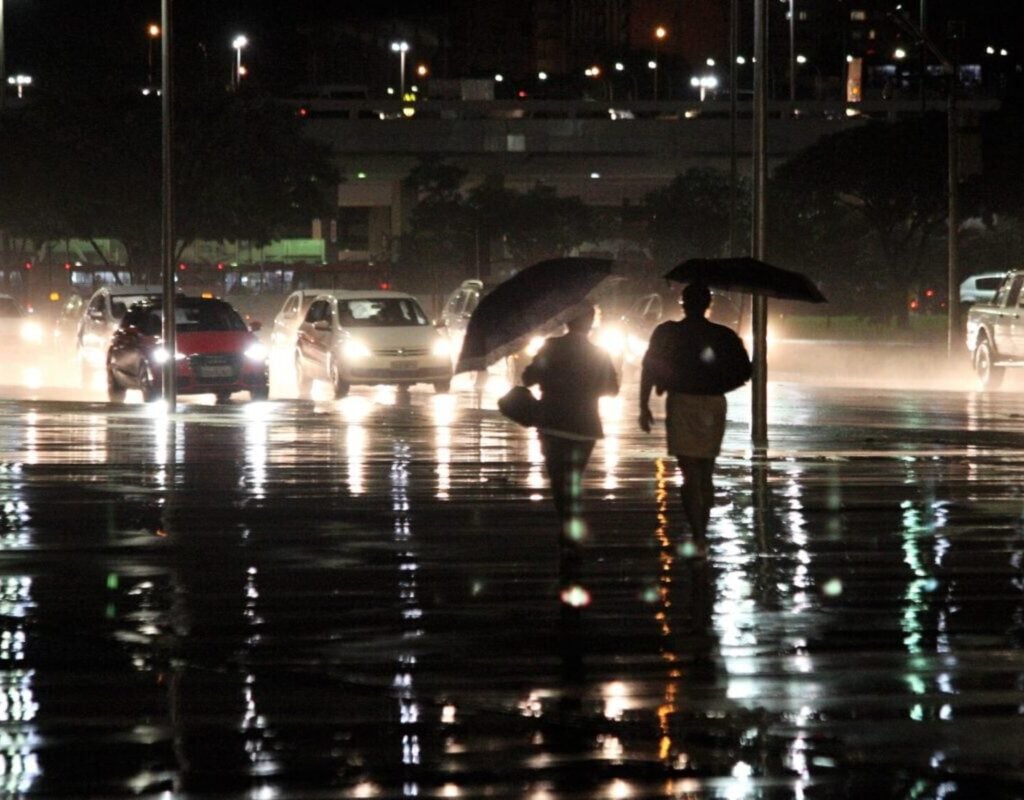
697, 493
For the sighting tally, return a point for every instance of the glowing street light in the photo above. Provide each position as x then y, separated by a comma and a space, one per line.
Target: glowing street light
20, 81
239, 42
704, 83
401, 48
899, 54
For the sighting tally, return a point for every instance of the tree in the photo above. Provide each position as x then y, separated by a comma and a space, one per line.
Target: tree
242, 171
690, 216
453, 229
880, 187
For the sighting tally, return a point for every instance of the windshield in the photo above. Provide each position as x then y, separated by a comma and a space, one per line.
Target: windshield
384, 312
209, 316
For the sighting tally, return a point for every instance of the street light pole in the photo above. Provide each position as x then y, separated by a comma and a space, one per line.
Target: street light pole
759, 317
792, 51
3, 71
401, 48
659, 34
238, 43
152, 32
170, 366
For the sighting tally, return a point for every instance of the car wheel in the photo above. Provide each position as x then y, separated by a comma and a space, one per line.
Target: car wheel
334, 374
443, 387
259, 393
989, 375
302, 381
115, 391
147, 385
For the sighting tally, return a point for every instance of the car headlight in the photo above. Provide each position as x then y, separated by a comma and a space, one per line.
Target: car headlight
31, 332
256, 352
161, 355
442, 348
611, 340
356, 350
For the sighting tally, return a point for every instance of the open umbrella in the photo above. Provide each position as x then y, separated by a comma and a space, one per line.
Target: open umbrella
747, 275
536, 299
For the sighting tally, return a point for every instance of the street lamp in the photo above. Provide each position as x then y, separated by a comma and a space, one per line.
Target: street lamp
152, 34
20, 81
704, 83
659, 34
401, 48
621, 68
238, 43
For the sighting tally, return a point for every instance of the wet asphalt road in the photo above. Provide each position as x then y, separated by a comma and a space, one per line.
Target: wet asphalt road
359, 598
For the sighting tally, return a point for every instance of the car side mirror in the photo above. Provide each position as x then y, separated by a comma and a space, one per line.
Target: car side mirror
255, 325
321, 325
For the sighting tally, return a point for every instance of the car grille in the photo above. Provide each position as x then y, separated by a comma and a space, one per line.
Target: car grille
216, 368
395, 352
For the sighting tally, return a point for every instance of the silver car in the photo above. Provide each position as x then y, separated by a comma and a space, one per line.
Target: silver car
370, 338
100, 319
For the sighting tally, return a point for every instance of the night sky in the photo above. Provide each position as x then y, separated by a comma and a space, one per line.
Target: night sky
104, 41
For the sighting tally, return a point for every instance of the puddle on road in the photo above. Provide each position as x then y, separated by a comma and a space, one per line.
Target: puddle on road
363, 602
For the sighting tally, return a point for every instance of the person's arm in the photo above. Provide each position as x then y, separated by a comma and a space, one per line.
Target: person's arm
646, 384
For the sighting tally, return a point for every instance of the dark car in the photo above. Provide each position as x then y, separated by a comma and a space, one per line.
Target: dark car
100, 318
217, 353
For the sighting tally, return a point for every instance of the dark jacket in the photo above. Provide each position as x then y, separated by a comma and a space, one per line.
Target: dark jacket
573, 374
694, 356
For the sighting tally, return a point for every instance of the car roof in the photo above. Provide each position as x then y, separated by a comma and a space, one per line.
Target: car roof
115, 291
374, 294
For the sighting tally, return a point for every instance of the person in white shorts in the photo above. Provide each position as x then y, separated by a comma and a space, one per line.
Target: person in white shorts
696, 362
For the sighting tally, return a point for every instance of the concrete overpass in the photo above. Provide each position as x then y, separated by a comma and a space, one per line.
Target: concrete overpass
606, 154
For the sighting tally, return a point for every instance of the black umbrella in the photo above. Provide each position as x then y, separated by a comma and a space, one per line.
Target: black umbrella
534, 300
746, 275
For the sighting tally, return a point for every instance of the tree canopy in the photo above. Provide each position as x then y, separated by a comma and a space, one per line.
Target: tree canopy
878, 188
90, 167
690, 216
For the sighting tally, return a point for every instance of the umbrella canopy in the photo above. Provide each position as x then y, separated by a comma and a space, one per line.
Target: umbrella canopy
532, 301
747, 275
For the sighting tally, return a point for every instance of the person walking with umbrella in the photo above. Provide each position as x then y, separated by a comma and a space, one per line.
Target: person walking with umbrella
572, 374
696, 362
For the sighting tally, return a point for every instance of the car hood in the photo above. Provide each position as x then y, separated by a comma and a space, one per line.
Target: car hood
199, 342
411, 336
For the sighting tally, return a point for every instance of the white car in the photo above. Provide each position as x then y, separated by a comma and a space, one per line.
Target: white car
370, 338
289, 318
100, 319
981, 288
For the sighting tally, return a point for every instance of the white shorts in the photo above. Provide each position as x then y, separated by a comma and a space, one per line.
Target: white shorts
694, 424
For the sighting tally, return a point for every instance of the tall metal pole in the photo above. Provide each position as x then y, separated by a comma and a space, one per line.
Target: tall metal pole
792, 51
759, 384
167, 227
953, 337
3, 70
733, 87
923, 55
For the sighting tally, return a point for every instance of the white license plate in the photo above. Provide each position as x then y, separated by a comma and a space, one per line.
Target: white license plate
216, 372
404, 365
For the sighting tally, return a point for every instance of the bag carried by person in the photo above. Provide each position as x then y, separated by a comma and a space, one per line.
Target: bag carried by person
519, 405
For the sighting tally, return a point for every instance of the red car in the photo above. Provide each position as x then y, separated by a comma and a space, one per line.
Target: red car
217, 352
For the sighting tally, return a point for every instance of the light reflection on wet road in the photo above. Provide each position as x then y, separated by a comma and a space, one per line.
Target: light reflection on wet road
358, 598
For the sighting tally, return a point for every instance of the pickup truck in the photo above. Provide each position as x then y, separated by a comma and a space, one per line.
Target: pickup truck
995, 332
